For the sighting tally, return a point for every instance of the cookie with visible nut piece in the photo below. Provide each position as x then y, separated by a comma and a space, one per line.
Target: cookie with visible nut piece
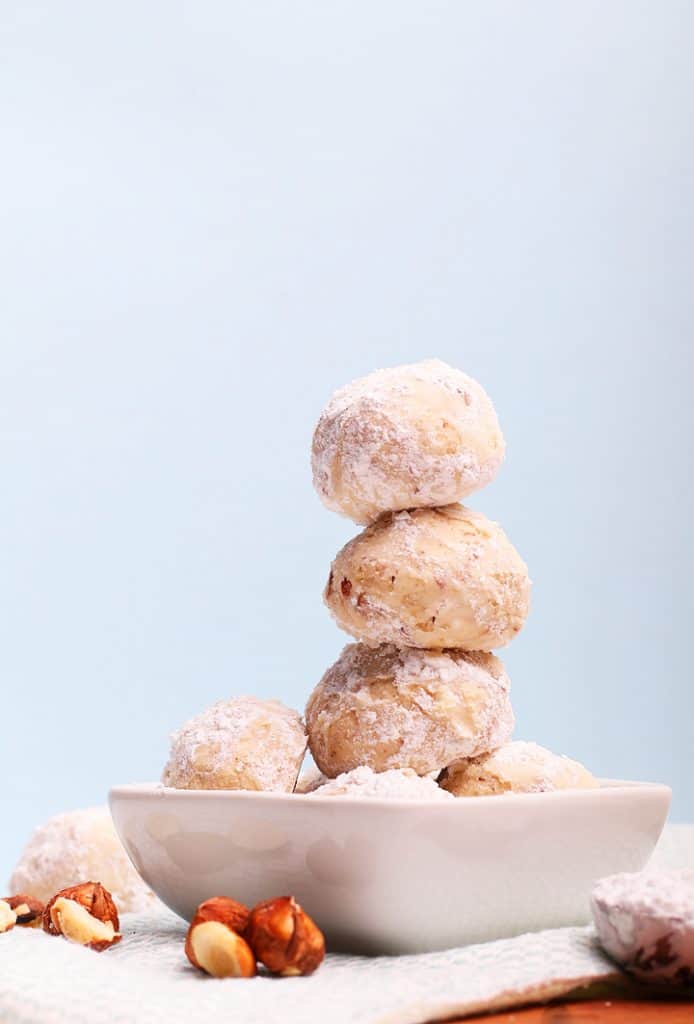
430, 578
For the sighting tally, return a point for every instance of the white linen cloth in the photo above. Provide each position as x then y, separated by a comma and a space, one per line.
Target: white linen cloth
147, 980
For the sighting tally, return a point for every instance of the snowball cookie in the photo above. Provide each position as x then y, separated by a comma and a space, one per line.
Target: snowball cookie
409, 437
390, 707
435, 577
517, 767
244, 743
79, 846
394, 784
645, 921
310, 779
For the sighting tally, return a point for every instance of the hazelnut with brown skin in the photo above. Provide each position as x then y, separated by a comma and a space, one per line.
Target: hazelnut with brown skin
284, 938
222, 908
85, 914
29, 911
8, 918
213, 942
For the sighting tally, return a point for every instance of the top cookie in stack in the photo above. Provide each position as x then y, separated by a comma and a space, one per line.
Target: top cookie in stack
415, 436
397, 450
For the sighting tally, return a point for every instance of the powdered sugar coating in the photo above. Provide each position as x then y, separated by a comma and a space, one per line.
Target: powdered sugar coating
390, 707
662, 894
394, 784
645, 921
516, 767
411, 436
244, 743
431, 578
79, 846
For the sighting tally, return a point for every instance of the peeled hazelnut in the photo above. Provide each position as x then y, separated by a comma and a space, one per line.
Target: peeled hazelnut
8, 917
284, 938
28, 910
85, 914
213, 943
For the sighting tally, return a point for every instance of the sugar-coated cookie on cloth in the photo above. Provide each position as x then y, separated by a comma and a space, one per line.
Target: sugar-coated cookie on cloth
645, 921
77, 847
431, 578
408, 437
390, 707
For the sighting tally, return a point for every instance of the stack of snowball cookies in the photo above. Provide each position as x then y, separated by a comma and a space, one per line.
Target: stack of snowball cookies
419, 707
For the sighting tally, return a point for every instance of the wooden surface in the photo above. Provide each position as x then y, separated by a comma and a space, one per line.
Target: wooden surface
596, 1011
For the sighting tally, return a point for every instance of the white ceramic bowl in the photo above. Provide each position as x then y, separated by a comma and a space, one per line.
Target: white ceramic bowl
393, 876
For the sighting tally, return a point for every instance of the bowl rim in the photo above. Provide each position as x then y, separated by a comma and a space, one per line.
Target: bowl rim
156, 790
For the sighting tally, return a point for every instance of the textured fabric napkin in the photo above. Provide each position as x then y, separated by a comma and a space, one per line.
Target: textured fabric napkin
147, 980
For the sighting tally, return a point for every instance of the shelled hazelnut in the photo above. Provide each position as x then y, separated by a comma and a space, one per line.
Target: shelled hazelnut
284, 938
29, 911
222, 908
8, 918
213, 943
85, 914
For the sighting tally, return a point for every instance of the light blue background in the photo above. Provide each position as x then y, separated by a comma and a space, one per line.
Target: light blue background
213, 214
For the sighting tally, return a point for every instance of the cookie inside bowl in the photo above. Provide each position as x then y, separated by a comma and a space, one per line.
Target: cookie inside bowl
396, 875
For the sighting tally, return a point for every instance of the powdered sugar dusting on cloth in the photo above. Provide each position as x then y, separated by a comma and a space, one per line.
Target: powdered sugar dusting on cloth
397, 783
147, 980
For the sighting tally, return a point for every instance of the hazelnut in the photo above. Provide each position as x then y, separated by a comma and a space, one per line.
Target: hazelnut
213, 943
284, 938
222, 908
28, 910
85, 914
8, 917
